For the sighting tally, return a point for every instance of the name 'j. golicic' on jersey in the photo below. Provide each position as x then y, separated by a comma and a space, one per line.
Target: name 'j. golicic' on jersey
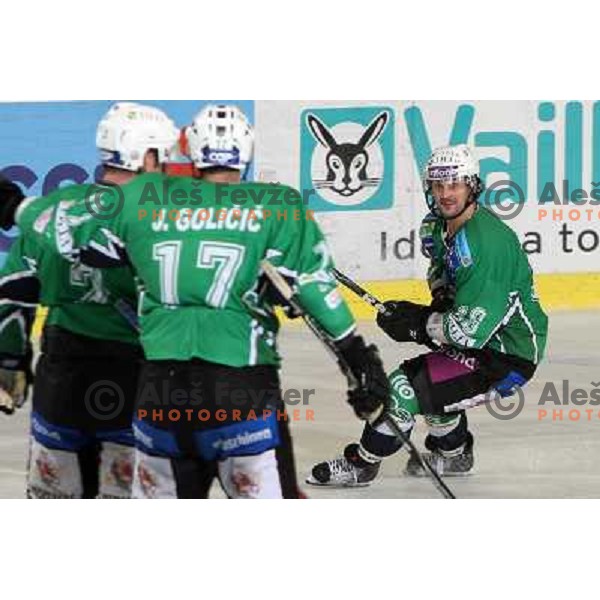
199, 266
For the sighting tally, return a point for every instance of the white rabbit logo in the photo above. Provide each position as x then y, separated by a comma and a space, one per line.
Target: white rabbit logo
346, 171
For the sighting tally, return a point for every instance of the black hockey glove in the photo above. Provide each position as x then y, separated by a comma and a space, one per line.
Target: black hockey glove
268, 293
373, 390
10, 197
13, 390
15, 379
406, 322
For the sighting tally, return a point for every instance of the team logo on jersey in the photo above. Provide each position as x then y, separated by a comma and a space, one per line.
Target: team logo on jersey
347, 157
147, 480
121, 471
464, 323
245, 485
47, 469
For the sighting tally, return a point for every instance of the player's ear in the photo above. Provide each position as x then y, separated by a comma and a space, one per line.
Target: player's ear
151, 164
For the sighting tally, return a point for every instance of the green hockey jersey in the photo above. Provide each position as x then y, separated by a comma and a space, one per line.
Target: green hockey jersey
197, 248
84, 300
495, 304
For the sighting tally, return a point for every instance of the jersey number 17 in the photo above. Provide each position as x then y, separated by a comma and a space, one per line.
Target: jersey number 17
225, 258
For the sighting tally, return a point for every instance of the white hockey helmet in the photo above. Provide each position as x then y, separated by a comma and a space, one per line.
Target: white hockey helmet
128, 130
220, 136
452, 164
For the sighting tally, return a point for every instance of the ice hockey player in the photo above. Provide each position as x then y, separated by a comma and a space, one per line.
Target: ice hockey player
209, 395
16, 322
81, 435
484, 314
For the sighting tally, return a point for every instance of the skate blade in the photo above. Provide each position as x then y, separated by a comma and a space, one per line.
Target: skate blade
339, 486
422, 474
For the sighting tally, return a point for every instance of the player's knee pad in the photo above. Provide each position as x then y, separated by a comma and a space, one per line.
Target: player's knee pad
403, 399
254, 477
379, 440
116, 470
63, 461
153, 477
53, 473
378, 443
448, 432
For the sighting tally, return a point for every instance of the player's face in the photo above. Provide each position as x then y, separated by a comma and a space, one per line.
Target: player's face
450, 197
151, 164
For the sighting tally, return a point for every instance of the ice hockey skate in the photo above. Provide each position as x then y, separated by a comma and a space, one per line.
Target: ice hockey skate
349, 470
456, 463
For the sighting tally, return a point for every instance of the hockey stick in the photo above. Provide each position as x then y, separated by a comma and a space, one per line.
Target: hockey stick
128, 313
380, 307
361, 292
369, 299
286, 291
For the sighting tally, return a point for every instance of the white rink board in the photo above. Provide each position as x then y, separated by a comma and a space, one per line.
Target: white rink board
501, 132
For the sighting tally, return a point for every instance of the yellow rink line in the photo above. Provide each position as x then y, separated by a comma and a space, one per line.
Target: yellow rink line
571, 291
